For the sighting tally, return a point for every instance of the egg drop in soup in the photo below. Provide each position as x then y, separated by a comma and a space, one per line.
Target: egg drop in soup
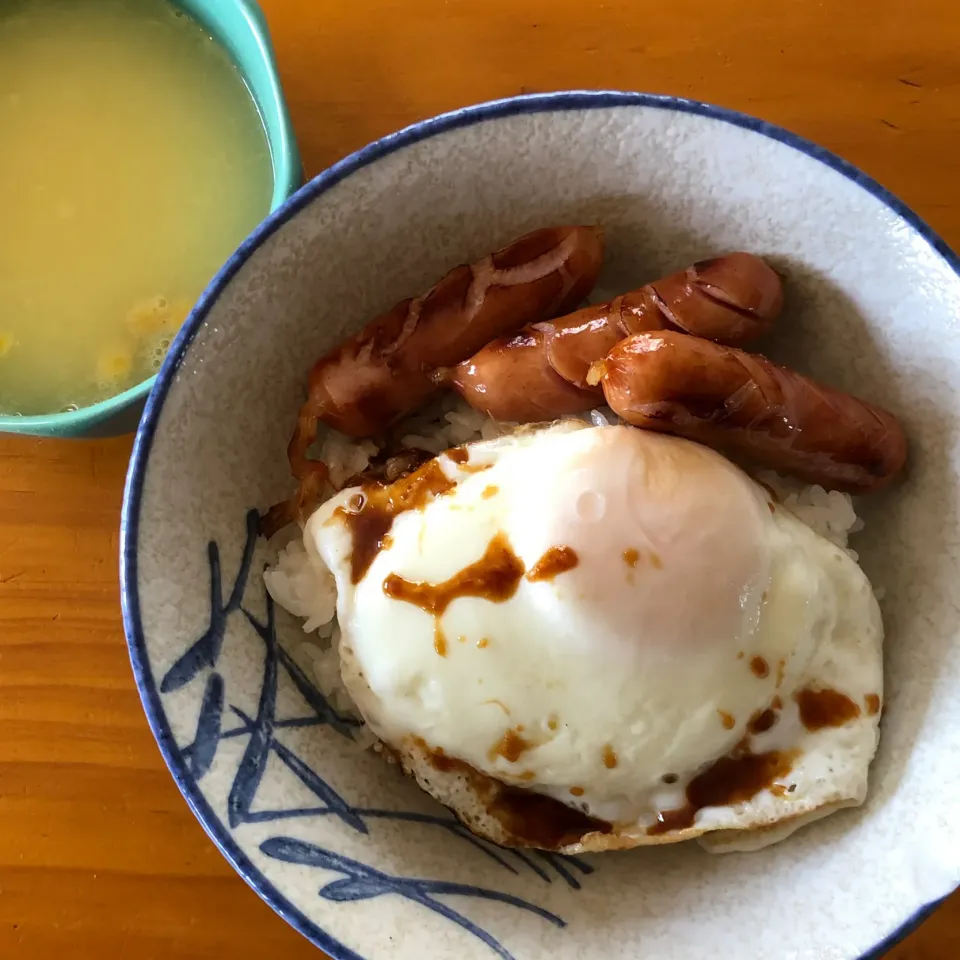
134, 161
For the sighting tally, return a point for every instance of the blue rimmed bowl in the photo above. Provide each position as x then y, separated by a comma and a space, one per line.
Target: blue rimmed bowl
241, 28
353, 856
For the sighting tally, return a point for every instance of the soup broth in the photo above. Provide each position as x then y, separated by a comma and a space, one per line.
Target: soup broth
133, 162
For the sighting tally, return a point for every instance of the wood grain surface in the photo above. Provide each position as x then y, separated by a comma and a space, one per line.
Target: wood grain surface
99, 855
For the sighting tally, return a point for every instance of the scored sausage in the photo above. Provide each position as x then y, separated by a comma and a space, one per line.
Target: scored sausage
369, 381
541, 373
388, 369
512, 379
742, 403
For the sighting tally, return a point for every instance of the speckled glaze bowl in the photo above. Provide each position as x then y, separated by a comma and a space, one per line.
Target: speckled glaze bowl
352, 855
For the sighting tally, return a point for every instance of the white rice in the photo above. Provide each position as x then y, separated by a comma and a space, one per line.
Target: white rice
829, 512
302, 585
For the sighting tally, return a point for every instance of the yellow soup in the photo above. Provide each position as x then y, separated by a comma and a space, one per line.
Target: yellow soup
133, 161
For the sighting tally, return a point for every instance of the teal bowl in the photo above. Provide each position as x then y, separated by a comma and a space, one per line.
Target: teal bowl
240, 26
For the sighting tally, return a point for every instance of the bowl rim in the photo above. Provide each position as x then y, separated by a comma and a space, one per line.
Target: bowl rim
287, 177
561, 101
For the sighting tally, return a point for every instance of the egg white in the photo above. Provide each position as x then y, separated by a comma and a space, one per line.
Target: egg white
637, 664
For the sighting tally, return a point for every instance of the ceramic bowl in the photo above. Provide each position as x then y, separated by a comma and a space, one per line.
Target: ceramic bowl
240, 26
344, 848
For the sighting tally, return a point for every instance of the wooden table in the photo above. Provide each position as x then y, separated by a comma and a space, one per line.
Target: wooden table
99, 856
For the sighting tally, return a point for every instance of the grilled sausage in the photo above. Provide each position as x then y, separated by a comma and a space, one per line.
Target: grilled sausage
742, 403
385, 371
511, 379
388, 369
541, 372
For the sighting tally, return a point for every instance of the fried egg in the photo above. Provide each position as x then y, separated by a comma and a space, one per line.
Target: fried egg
598, 637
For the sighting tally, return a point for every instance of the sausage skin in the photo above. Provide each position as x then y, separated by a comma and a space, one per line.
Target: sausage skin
388, 369
742, 403
541, 373
385, 371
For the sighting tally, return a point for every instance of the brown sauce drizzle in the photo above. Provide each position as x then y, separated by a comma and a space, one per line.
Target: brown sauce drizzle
461, 457
511, 746
577, 791
655, 561
385, 468
374, 510
610, 759
540, 821
759, 667
491, 490
738, 777
825, 708
727, 719
555, 561
762, 721
631, 556
872, 700
670, 820
494, 577
482, 643
530, 819
439, 639
781, 670
766, 486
